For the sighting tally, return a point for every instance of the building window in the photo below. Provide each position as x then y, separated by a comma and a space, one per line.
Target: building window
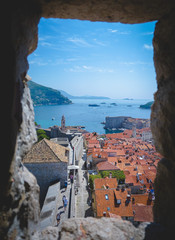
106, 196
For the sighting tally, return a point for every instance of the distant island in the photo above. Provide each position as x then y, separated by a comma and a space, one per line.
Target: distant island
127, 98
81, 97
113, 104
147, 105
42, 95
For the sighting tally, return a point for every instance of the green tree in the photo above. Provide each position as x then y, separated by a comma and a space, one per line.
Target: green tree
91, 180
41, 134
115, 174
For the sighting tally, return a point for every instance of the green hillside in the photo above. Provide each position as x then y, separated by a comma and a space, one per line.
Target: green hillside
42, 95
147, 105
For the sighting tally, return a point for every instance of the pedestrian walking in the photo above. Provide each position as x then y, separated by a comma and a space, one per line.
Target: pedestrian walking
63, 198
71, 178
58, 216
65, 185
65, 204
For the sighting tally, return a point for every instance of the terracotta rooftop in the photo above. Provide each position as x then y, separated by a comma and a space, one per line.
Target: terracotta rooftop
112, 201
46, 151
100, 183
102, 166
142, 213
142, 199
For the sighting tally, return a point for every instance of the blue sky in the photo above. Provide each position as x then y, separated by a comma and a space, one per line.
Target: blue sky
95, 58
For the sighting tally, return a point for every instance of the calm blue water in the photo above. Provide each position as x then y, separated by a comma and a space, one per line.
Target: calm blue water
79, 113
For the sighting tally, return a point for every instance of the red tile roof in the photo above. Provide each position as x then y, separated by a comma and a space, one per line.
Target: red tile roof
106, 201
142, 213
100, 183
102, 166
142, 199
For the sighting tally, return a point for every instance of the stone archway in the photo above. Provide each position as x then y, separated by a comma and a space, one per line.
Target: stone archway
19, 192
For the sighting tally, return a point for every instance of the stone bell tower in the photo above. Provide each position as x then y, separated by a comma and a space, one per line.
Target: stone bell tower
63, 123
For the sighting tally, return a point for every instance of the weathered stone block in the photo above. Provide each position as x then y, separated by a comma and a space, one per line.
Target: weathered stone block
100, 229
164, 207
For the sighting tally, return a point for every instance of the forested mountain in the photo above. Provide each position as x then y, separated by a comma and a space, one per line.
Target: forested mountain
42, 95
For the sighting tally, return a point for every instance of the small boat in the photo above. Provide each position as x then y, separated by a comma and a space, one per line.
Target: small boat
94, 105
53, 118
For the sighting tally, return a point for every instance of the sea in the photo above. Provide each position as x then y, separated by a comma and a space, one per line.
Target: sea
79, 113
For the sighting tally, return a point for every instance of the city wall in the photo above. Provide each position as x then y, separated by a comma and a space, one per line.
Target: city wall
77, 144
47, 174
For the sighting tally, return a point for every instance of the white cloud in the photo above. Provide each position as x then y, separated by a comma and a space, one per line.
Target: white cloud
72, 59
80, 42
112, 30
38, 62
43, 62
99, 42
85, 68
147, 33
119, 32
35, 54
134, 63
75, 69
148, 47
125, 33
46, 44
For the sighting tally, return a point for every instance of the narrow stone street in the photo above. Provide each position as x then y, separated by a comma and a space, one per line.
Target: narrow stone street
82, 207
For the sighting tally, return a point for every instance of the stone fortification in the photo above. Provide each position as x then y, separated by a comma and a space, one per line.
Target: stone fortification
114, 122
126, 122
77, 144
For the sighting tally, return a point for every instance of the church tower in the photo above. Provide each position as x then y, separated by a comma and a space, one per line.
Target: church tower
63, 123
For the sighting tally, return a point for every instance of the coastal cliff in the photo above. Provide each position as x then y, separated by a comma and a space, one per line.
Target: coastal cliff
42, 95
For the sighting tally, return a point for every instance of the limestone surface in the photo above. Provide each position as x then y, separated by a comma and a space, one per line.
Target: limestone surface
127, 11
100, 229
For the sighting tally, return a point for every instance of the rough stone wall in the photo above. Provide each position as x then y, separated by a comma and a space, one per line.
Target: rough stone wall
163, 119
19, 41
19, 200
22, 213
19, 209
103, 228
128, 11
